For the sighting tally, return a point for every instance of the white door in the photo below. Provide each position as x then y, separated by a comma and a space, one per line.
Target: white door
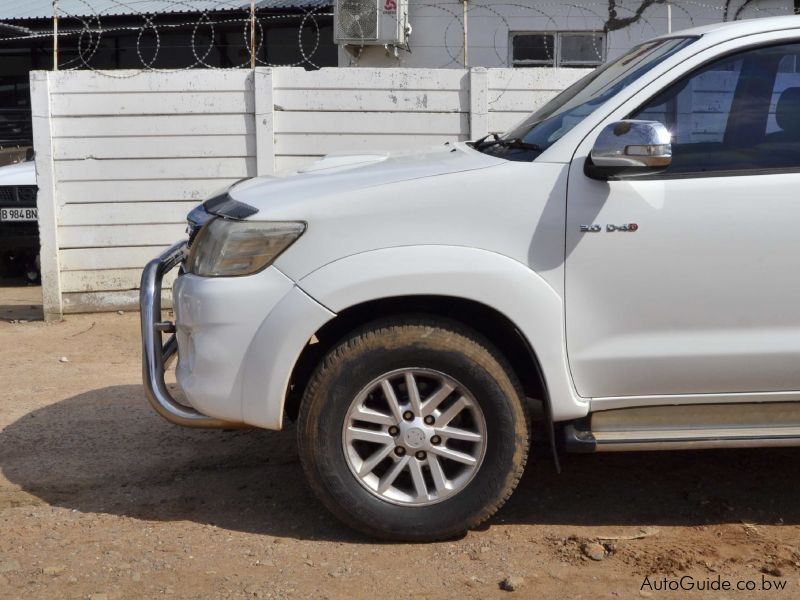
703, 296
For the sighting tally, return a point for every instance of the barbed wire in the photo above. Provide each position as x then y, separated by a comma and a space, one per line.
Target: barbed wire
153, 29
83, 33
513, 17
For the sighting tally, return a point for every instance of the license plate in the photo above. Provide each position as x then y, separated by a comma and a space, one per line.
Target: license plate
18, 214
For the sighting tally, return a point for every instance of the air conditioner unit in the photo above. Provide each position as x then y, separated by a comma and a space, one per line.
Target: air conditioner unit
370, 22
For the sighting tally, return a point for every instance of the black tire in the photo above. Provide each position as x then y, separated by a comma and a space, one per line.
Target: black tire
398, 343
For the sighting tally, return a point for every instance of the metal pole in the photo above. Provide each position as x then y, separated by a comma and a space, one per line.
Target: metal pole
466, 37
669, 17
252, 34
55, 35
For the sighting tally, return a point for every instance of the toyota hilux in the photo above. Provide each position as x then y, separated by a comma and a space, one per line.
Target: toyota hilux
628, 255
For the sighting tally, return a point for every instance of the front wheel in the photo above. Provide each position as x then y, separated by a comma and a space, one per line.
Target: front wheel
413, 429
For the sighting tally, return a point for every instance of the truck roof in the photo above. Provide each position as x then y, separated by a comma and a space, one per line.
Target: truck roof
735, 29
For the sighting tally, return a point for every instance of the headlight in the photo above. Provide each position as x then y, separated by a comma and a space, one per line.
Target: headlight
225, 248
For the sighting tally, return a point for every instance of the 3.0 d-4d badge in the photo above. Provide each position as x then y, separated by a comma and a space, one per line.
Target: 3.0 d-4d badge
596, 228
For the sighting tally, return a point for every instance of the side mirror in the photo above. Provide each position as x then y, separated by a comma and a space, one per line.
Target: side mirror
630, 149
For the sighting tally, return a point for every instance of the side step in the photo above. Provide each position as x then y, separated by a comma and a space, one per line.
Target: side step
688, 427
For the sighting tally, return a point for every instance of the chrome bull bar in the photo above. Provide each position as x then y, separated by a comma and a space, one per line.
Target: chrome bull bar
155, 354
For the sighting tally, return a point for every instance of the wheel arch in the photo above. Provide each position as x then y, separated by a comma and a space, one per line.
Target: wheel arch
487, 291
497, 328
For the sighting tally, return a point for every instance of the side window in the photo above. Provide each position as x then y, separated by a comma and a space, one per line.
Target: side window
740, 113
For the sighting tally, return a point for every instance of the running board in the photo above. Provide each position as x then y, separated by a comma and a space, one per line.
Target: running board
752, 425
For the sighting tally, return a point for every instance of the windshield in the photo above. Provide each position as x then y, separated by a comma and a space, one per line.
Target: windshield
548, 124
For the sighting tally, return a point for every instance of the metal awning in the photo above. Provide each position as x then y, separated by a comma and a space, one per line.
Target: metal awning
11, 10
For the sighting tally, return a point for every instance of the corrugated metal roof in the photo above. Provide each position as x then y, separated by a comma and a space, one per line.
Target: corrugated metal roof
279, 4
43, 9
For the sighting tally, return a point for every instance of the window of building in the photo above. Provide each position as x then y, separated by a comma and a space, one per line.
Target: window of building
558, 49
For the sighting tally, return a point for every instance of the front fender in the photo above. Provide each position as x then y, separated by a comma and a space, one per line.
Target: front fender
482, 276
273, 354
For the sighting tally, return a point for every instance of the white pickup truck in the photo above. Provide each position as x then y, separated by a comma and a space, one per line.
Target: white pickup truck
629, 255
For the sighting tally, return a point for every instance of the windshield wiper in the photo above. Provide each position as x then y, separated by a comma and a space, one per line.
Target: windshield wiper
515, 143
485, 142
518, 143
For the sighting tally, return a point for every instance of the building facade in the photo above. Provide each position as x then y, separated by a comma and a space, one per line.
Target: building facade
546, 33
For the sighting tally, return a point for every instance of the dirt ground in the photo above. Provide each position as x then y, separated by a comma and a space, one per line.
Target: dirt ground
101, 499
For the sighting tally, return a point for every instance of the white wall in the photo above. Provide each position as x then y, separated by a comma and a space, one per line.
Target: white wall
129, 156
437, 39
123, 156
344, 110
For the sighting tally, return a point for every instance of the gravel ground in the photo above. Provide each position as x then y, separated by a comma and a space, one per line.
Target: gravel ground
101, 499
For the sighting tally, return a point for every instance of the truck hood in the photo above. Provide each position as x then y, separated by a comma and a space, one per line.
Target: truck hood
343, 173
23, 173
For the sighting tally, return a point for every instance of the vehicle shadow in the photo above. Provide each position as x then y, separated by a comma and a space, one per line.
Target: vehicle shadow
18, 312
19, 301
105, 451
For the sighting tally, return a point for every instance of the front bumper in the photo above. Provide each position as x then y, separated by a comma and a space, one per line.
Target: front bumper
156, 353
217, 319
19, 236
